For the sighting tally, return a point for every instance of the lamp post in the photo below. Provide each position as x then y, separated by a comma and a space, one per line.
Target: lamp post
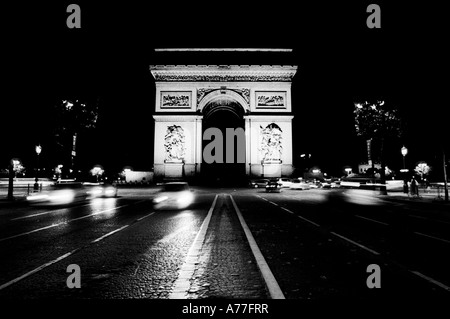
404, 151
38, 150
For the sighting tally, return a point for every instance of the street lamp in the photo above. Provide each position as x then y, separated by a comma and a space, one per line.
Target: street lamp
404, 151
38, 150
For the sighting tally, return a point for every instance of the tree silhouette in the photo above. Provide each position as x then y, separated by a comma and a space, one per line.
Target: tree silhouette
377, 120
72, 117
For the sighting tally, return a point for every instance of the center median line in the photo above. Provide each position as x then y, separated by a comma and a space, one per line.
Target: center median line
182, 283
54, 261
66, 222
271, 283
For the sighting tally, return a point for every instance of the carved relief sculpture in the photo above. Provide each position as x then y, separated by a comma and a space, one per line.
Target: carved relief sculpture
174, 143
175, 99
270, 99
271, 143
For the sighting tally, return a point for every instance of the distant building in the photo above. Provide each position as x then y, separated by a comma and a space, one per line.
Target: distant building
363, 167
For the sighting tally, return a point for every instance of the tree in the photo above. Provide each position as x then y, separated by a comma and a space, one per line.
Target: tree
377, 120
71, 117
97, 172
422, 169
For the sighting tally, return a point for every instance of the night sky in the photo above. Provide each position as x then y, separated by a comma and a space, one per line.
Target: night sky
339, 61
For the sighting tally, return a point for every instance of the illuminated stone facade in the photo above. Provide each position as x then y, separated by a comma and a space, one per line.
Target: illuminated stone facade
186, 93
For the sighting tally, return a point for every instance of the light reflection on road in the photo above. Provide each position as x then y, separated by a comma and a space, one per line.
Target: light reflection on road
104, 204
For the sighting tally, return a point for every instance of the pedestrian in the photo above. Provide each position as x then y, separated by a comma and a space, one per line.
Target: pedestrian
405, 187
414, 190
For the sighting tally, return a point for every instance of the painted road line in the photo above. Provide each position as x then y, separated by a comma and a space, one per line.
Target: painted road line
44, 213
289, 211
355, 243
301, 217
143, 217
9, 283
307, 220
372, 220
271, 283
182, 283
274, 203
109, 234
431, 280
62, 223
263, 198
433, 237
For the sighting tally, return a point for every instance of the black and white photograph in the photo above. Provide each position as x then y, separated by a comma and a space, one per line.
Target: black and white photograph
224, 160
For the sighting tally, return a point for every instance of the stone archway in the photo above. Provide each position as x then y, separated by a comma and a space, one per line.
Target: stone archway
225, 112
256, 98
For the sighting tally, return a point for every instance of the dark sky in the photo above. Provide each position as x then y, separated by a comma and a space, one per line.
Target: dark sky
339, 61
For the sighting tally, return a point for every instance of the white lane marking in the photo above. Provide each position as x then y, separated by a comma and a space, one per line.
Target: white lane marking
372, 220
271, 282
143, 217
62, 223
44, 213
289, 211
355, 243
273, 203
182, 283
109, 234
263, 198
433, 237
309, 221
9, 283
301, 217
431, 280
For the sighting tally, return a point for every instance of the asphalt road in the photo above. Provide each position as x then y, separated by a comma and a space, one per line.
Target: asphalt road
317, 245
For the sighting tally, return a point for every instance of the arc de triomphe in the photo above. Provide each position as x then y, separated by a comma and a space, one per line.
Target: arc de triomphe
191, 98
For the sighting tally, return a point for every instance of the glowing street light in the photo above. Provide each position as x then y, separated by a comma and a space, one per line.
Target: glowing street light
38, 150
404, 151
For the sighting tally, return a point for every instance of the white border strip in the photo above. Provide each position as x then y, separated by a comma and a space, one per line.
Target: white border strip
182, 284
271, 282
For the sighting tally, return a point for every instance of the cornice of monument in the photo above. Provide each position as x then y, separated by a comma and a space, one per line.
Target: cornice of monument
223, 73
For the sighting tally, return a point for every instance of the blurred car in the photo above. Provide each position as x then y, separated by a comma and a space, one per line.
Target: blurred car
174, 195
326, 185
273, 186
59, 194
102, 190
297, 184
285, 182
259, 183
315, 185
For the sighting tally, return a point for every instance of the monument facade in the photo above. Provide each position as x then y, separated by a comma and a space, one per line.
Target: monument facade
192, 98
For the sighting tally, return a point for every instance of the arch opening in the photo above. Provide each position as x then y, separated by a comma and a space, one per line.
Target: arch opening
226, 115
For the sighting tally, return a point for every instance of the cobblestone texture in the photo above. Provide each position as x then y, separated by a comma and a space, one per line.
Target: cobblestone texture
227, 268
